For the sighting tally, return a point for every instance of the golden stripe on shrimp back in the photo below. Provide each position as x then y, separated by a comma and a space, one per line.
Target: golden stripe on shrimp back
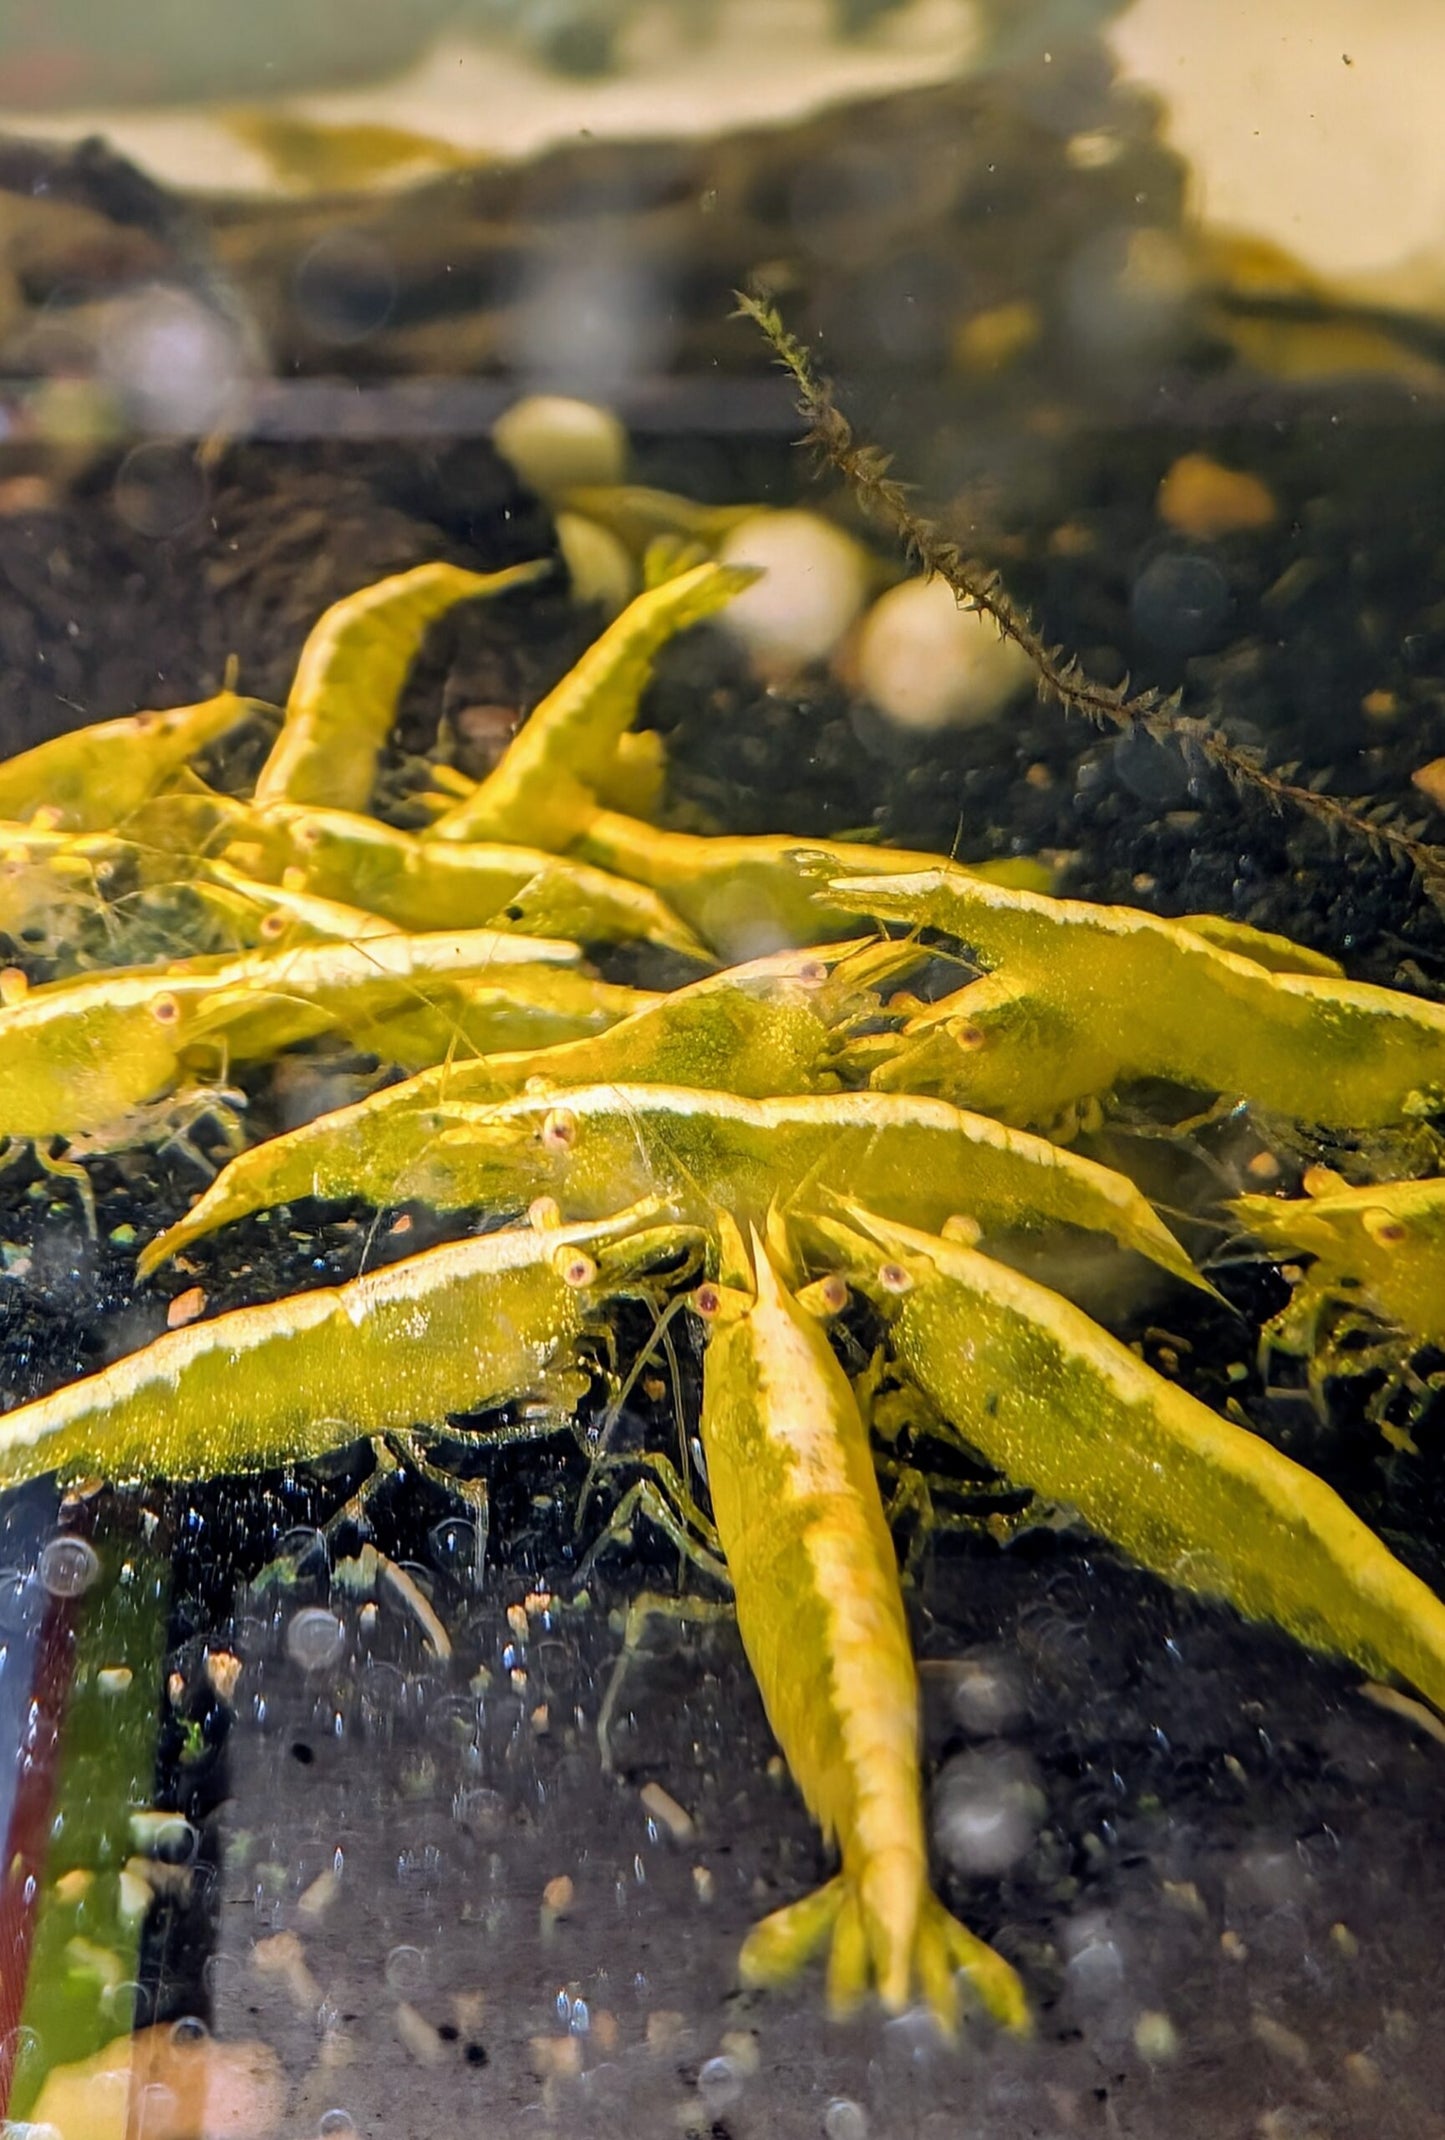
820, 1611
1059, 1405
471, 1323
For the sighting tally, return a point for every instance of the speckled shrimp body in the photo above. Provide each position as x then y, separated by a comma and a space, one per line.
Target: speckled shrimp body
1079, 998
590, 1145
820, 1612
1059, 1405
472, 1323
78, 1055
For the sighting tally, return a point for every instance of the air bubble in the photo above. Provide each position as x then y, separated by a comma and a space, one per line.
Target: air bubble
985, 1696
987, 1808
174, 1842
719, 2084
19, 2052
407, 1971
189, 2033
315, 1638
334, 2123
845, 2120
68, 1566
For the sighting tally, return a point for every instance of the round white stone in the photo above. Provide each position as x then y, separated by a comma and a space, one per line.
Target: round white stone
814, 584
555, 443
926, 663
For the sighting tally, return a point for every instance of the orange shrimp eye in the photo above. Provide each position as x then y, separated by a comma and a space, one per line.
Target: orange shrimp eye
970, 1037
272, 925
543, 1213
1384, 1231
307, 833
706, 1301
812, 973
833, 1293
559, 1130
165, 1010
894, 1279
576, 1269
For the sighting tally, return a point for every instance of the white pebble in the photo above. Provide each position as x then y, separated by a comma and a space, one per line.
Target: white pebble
555, 443
813, 586
926, 663
597, 563
987, 1809
985, 1695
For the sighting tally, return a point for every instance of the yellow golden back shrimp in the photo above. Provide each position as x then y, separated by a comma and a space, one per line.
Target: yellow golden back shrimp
796, 1504
344, 696
471, 1323
93, 778
767, 1028
1057, 1404
1080, 997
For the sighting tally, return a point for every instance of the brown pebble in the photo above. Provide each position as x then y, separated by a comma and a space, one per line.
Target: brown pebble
185, 1307
1203, 498
418, 2035
664, 2028
1284, 2042
1362, 2070
664, 1807
26, 494
558, 1895
556, 2057
1430, 780
1380, 705
1070, 539
1263, 1167
990, 341
223, 1669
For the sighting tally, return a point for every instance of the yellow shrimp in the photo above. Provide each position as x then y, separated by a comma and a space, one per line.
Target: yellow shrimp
468, 1324
343, 700
1057, 1404
820, 1612
78, 1055
93, 778
1086, 996
541, 791
767, 1028
591, 1145
435, 884
748, 894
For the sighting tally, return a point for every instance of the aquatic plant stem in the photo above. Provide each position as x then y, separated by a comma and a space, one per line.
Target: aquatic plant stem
866, 469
